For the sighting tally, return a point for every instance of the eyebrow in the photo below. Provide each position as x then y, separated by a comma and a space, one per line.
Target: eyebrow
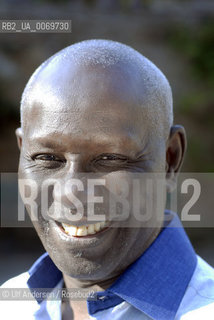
115, 142
46, 143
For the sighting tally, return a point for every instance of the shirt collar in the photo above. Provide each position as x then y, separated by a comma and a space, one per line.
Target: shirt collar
155, 283
44, 276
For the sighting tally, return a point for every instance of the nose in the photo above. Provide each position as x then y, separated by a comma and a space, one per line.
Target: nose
70, 188
70, 193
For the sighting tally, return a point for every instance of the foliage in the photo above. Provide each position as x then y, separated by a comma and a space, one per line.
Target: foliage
197, 43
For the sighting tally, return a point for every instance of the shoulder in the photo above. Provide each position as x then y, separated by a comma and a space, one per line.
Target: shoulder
19, 281
202, 281
12, 303
198, 300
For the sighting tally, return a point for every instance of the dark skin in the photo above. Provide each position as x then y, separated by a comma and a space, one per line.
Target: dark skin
78, 131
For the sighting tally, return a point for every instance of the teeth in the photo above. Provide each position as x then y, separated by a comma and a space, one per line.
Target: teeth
73, 231
90, 229
84, 230
97, 226
102, 224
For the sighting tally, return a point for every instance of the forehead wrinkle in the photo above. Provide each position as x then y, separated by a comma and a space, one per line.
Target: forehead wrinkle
125, 143
130, 135
49, 140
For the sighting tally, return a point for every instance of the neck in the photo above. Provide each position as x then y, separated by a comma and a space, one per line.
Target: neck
99, 285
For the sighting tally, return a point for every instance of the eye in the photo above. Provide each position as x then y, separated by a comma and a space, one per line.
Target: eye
111, 158
47, 157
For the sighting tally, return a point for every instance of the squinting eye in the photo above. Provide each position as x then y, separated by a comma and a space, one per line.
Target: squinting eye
47, 157
112, 157
107, 158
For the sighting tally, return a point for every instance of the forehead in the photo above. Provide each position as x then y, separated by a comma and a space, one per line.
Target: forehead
88, 102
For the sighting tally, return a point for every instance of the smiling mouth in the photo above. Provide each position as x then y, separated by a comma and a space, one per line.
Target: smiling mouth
84, 230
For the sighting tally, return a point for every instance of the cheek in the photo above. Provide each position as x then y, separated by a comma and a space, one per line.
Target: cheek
30, 192
118, 192
137, 199
118, 182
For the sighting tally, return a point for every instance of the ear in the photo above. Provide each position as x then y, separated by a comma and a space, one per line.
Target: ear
175, 151
19, 137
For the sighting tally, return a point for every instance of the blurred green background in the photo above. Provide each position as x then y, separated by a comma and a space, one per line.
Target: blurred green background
178, 36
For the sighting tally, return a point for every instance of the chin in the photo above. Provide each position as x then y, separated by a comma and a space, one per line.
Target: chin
79, 268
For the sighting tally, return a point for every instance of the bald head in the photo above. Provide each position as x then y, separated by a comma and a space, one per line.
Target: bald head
104, 66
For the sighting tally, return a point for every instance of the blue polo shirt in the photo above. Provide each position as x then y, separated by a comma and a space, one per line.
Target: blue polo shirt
169, 281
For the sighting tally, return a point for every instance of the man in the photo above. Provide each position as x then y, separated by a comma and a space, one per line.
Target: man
100, 107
